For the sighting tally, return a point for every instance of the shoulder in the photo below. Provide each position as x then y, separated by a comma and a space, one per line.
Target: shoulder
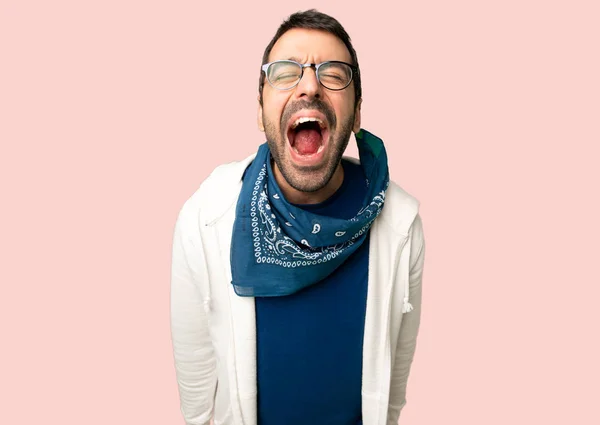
400, 209
400, 216
217, 192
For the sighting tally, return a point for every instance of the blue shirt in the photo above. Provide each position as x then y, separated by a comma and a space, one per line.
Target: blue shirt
309, 344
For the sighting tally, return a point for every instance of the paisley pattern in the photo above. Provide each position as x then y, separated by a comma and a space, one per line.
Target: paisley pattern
273, 246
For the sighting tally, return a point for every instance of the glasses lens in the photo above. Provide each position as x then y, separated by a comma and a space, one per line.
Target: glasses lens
284, 74
335, 76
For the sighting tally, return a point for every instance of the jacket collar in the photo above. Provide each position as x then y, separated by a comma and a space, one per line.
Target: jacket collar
225, 176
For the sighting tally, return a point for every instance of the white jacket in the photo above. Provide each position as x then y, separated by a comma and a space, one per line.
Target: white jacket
214, 330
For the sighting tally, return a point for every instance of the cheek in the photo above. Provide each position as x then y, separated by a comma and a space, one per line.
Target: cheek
342, 103
273, 107
344, 112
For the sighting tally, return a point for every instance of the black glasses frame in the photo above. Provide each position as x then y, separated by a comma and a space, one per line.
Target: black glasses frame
315, 66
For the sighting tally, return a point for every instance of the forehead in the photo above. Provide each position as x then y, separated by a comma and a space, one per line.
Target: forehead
309, 45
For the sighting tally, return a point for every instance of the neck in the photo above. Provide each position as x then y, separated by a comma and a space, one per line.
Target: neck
295, 196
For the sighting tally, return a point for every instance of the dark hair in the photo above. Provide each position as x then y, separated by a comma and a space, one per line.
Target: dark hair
313, 19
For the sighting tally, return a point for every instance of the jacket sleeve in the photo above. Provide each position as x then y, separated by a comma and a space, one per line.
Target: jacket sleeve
195, 363
409, 327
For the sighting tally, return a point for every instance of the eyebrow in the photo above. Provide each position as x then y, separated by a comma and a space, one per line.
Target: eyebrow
295, 59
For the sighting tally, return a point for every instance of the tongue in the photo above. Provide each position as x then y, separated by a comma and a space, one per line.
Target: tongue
307, 141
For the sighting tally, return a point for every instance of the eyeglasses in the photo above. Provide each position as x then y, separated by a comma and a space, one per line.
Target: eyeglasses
286, 74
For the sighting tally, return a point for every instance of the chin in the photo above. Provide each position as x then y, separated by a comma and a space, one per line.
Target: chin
307, 178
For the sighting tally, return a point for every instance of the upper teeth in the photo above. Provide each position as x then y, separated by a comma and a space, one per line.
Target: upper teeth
307, 119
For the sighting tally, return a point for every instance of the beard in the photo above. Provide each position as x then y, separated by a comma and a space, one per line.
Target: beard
314, 177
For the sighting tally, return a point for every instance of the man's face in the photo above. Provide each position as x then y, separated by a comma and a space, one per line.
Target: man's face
308, 155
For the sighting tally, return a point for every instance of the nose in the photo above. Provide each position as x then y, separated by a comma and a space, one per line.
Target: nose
308, 86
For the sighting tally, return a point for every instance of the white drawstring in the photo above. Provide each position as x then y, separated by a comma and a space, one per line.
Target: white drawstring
207, 305
207, 299
407, 307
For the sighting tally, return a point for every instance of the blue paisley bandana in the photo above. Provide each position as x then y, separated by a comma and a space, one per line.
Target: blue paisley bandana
277, 248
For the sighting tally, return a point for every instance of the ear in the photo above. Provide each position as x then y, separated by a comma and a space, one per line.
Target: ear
356, 126
261, 126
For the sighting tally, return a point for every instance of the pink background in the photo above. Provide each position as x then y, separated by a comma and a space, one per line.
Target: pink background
113, 112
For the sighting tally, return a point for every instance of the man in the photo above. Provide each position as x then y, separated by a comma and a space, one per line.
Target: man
292, 269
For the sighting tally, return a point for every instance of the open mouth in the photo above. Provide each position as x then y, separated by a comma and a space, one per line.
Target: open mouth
307, 136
